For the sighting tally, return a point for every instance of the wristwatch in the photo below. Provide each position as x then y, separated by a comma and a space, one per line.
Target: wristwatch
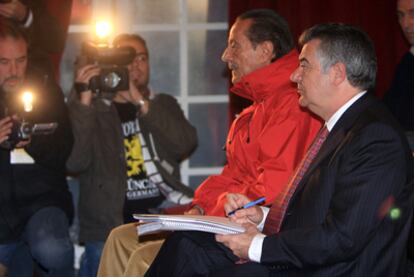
141, 103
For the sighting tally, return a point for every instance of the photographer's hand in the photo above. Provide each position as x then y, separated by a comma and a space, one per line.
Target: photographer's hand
14, 10
6, 125
5, 128
83, 76
137, 98
23, 143
133, 96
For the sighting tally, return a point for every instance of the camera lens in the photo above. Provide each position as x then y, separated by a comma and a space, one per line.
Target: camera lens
111, 80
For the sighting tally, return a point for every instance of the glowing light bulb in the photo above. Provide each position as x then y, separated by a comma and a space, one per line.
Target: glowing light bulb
27, 98
103, 29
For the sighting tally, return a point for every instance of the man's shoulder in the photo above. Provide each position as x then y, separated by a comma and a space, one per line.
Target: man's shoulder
406, 63
163, 98
368, 115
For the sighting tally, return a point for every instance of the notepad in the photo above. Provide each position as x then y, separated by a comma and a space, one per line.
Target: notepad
153, 223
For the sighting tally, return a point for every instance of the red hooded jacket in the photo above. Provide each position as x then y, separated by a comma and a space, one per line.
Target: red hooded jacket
267, 140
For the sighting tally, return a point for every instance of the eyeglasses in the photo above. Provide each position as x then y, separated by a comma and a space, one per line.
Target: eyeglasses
140, 58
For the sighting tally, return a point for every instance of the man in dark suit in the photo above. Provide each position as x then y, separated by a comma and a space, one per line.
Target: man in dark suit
347, 209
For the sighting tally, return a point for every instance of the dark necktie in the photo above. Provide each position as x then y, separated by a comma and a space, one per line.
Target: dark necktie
275, 216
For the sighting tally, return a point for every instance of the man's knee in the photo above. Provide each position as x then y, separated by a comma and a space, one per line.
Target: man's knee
53, 253
47, 234
122, 232
122, 237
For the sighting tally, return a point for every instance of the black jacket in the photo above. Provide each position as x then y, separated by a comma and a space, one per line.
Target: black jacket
26, 188
98, 157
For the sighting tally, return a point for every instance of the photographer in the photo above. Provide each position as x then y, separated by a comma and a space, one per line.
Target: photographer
35, 203
127, 151
46, 33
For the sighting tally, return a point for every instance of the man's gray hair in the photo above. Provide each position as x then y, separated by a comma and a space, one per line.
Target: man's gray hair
346, 44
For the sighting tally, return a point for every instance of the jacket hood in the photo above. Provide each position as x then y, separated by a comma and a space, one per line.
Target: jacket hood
263, 82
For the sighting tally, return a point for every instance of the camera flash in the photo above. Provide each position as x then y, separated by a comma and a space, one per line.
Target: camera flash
103, 29
27, 99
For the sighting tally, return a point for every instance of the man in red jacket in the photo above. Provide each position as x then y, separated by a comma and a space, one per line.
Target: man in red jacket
265, 143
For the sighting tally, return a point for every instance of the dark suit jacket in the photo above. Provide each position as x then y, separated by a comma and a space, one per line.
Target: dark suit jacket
337, 222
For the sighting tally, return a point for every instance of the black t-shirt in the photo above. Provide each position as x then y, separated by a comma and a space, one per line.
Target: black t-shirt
141, 193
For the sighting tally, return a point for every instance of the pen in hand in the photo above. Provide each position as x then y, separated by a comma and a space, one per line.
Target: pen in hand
248, 205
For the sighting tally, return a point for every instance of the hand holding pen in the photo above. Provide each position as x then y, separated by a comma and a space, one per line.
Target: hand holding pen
248, 205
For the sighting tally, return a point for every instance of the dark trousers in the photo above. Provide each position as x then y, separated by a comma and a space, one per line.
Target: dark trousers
198, 254
46, 240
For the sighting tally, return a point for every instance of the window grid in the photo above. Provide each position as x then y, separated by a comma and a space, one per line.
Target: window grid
124, 22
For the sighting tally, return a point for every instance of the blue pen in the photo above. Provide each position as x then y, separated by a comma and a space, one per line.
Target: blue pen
248, 205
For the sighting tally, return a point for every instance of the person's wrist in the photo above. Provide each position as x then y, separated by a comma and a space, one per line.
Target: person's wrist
81, 87
199, 209
141, 103
84, 93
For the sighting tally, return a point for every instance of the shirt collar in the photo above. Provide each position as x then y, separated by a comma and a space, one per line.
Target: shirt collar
337, 115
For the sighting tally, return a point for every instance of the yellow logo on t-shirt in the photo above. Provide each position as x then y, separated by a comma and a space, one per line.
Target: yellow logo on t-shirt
133, 154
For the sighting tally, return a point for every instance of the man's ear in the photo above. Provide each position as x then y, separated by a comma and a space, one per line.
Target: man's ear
338, 73
266, 48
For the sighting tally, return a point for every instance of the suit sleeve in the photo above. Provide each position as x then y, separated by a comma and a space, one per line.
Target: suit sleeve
366, 172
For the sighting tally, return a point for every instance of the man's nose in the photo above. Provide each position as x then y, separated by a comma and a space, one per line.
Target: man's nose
13, 68
406, 21
225, 55
294, 77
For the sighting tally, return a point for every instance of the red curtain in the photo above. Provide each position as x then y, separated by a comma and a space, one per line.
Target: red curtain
61, 10
378, 18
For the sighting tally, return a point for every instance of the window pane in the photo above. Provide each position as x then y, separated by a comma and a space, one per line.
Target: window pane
195, 181
155, 11
211, 123
207, 10
164, 54
67, 68
207, 74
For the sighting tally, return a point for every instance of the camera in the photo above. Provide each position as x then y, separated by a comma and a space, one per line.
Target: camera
112, 62
23, 130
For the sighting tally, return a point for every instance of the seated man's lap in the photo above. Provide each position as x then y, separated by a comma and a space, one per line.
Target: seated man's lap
142, 258
121, 248
191, 253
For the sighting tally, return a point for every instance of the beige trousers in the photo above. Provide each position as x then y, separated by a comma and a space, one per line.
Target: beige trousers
123, 255
3, 271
